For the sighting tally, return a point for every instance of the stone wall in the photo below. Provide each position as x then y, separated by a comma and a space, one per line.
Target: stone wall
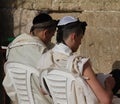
101, 42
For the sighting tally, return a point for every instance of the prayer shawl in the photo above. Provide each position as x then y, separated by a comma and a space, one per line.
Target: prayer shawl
81, 91
27, 50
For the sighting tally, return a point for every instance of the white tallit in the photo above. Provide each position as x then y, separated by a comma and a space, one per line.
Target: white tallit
83, 92
74, 63
60, 57
25, 49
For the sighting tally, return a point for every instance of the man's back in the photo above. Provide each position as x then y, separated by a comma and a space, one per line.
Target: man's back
25, 49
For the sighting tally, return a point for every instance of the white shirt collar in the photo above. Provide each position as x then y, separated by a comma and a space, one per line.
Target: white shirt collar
62, 48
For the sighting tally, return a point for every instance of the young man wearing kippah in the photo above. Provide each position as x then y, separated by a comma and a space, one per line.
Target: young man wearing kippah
86, 89
26, 49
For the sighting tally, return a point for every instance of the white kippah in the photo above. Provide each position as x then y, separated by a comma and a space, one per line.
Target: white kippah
67, 19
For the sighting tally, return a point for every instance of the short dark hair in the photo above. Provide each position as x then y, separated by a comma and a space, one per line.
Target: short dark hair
116, 75
64, 31
43, 21
41, 18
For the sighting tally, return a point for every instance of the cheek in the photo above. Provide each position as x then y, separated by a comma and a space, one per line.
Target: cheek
79, 42
51, 34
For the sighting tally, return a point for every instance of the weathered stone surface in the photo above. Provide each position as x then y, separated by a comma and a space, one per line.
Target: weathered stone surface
37, 4
104, 5
66, 5
100, 5
102, 46
102, 19
23, 20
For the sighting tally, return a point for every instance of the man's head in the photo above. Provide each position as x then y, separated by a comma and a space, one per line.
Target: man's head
70, 32
43, 27
116, 75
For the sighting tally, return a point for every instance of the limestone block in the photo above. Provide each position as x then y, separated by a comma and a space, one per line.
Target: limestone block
23, 20
102, 19
25, 4
100, 5
102, 46
112, 5
66, 5
43, 4
35, 4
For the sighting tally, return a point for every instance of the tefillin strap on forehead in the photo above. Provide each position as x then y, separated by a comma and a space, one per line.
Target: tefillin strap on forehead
44, 24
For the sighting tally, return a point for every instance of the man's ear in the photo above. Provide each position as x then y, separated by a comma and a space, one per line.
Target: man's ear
45, 32
73, 36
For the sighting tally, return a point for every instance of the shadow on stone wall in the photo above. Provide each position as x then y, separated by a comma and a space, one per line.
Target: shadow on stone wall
7, 8
6, 27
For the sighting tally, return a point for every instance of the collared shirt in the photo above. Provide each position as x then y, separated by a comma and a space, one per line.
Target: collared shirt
56, 57
65, 50
59, 56
62, 48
